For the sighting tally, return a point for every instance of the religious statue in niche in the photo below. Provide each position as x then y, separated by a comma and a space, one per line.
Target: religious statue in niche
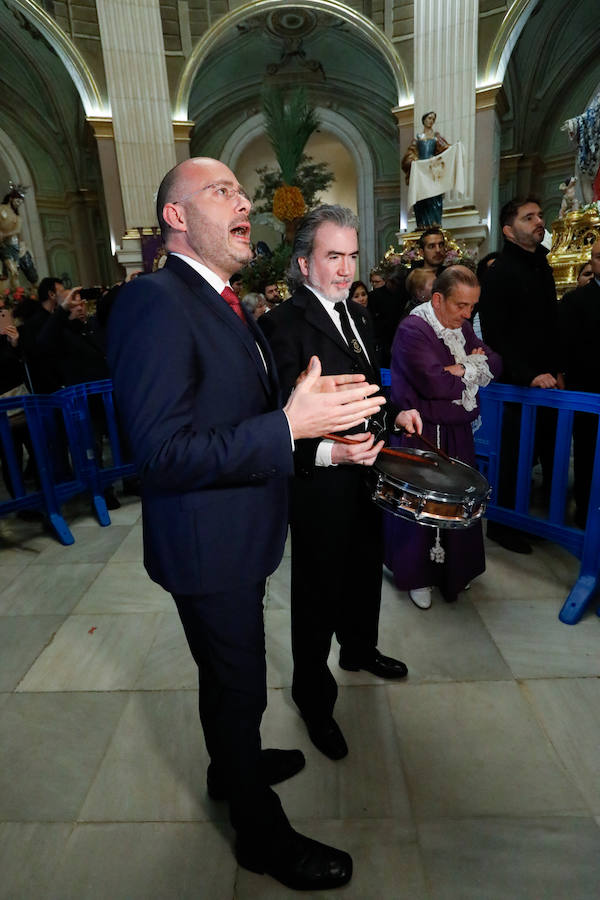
14, 254
426, 145
585, 131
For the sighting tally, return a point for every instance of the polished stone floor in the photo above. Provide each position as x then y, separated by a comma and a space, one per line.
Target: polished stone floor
476, 779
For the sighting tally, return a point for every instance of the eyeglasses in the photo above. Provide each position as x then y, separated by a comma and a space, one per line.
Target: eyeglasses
219, 192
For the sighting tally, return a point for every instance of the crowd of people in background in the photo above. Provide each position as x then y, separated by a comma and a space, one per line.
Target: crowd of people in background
53, 340
47, 343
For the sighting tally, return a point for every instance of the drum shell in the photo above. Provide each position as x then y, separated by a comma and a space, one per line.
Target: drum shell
406, 498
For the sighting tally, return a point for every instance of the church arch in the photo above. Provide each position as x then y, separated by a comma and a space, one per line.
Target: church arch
504, 42
72, 59
352, 140
368, 29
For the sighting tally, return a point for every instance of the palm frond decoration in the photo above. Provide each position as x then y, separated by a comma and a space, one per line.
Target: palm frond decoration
290, 121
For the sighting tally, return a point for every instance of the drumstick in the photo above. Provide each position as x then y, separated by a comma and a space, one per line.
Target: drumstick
388, 451
431, 446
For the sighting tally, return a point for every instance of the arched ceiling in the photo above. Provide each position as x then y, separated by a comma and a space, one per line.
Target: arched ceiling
331, 58
553, 71
41, 109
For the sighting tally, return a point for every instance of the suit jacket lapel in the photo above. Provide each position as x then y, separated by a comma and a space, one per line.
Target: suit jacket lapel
318, 318
217, 305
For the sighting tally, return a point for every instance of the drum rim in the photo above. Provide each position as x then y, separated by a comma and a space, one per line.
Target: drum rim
481, 495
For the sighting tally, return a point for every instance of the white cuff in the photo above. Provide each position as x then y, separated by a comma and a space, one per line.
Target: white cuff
323, 455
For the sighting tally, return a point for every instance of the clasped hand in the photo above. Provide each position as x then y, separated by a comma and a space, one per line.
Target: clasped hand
458, 369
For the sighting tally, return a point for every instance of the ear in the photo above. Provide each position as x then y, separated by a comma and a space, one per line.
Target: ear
303, 265
508, 232
436, 299
174, 216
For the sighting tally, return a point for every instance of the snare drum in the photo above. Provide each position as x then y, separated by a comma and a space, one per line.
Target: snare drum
448, 495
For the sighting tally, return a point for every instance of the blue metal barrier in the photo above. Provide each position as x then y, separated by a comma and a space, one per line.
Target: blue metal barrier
65, 436
584, 545
50, 432
91, 424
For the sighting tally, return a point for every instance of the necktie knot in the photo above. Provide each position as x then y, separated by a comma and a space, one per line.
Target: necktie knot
232, 299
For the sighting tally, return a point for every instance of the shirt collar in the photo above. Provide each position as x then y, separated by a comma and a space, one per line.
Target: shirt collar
328, 304
213, 279
597, 280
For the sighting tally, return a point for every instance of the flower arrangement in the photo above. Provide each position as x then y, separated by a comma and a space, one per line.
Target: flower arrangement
409, 252
12, 298
288, 203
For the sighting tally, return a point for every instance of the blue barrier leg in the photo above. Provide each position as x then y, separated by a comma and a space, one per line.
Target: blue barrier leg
588, 582
55, 518
99, 504
61, 529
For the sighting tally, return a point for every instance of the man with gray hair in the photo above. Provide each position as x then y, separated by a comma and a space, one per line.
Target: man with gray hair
336, 529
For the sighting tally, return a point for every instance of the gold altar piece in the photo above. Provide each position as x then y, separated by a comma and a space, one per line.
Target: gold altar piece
409, 251
572, 239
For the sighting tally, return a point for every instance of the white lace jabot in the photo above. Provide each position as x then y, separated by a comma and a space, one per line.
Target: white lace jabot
477, 372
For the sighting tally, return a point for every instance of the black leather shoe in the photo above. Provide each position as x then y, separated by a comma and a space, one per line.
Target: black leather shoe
507, 537
376, 664
299, 862
276, 766
327, 737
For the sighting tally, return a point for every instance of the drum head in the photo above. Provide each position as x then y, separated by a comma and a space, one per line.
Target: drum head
445, 480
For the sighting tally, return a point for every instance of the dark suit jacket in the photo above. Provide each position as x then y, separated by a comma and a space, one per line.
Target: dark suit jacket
300, 328
211, 443
79, 354
519, 314
579, 318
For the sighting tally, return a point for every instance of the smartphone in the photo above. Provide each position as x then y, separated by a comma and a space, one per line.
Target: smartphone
6, 317
90, 293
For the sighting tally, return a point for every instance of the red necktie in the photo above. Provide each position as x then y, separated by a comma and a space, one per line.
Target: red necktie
234, 302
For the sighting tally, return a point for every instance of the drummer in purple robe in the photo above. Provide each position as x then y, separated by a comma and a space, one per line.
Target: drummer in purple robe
438, 366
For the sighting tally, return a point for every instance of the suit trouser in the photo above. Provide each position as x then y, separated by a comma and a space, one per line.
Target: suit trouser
337, 558
225, 632
545, 436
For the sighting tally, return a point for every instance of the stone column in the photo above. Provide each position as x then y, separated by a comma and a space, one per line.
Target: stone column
181, 134
445, 48
138, 90
107, 155
405, 118
491, 104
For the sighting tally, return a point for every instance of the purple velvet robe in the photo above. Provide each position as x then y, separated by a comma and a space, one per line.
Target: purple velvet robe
419, 381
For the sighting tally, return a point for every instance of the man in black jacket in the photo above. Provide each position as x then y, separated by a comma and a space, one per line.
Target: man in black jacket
579, 317
518, 313
337, 541
42, 365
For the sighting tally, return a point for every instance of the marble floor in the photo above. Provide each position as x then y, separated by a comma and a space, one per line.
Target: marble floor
476, 779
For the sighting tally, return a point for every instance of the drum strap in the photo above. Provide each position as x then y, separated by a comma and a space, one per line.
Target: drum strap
437, 554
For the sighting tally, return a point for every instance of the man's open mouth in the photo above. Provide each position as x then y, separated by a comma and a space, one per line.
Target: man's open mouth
242, 230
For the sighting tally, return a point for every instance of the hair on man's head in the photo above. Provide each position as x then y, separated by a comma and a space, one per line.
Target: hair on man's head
510, 210
434, 229
164, 195
451, 277
45, 286
307, 229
